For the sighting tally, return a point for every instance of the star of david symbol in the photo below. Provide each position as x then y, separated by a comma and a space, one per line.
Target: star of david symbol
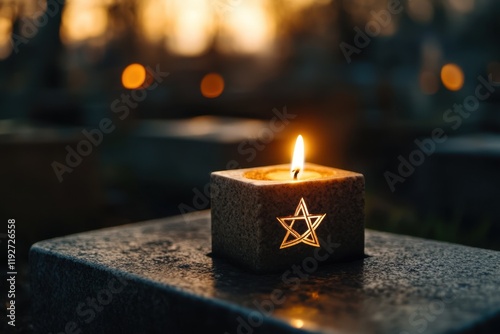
312, 221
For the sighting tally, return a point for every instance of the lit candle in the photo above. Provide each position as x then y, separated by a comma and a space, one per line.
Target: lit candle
294, 172
269, 218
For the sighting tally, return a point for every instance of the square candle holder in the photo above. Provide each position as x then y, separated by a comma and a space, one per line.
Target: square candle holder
267, 225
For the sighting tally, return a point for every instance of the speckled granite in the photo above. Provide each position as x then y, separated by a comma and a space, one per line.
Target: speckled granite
245, 229
156, 277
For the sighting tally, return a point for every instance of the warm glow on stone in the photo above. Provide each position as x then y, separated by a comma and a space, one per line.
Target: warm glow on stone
283, 174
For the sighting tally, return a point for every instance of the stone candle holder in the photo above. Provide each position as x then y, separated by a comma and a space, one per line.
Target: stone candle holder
266, 225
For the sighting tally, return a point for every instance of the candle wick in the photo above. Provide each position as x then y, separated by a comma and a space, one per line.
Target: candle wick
295, 173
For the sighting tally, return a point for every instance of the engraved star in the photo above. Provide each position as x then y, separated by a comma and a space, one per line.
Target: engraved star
309, 237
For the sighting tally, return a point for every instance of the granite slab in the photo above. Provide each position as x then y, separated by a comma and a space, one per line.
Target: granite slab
159, 277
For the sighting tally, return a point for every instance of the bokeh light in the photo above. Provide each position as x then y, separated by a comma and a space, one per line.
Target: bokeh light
133, 76
212, 85
5, 37
191, 26
83, 20
152, 19
452, 77
248, 28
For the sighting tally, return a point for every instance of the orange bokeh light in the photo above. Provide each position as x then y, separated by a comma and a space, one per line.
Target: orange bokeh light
452, 77
212, 85
133, 76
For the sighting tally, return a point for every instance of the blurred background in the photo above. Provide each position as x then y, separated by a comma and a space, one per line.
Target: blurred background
147, 97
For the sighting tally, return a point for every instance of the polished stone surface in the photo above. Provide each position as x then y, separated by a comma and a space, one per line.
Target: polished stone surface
157, 277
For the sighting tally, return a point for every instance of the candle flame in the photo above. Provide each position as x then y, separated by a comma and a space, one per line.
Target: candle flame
297, 167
